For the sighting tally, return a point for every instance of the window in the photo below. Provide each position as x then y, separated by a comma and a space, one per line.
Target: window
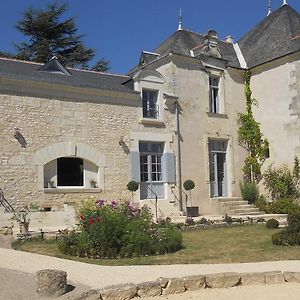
150, 107
69, 171
72, 172
214, 103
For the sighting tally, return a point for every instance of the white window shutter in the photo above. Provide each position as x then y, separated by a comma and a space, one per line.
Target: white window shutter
135, 166
168, 167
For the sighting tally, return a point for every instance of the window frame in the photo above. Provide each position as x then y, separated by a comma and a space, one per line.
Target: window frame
214, 94
150, 108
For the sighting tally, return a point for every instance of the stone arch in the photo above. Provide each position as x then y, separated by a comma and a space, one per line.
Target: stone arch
69, 149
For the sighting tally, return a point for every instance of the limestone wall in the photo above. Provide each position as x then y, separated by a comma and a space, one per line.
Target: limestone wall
43, 122
276, 86
190, 83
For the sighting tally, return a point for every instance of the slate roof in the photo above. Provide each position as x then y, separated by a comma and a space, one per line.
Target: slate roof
182, 41
276, 36
79, 78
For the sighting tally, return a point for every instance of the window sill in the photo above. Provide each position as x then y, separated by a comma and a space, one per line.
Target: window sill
216, 115
152, 121
68, 190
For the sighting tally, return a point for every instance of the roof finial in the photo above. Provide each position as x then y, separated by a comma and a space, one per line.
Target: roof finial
285, 2
270, 9
180, 20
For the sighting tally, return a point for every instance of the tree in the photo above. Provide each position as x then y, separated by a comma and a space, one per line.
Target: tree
49, 36
101, 66
251, 138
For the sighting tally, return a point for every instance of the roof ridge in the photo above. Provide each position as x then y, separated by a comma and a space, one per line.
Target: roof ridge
68, 68
21, 60
96, 72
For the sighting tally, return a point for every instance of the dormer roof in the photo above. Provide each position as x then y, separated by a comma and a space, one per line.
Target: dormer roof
54, 66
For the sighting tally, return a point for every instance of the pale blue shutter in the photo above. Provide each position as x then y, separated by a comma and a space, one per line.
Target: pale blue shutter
168, 167
135, 166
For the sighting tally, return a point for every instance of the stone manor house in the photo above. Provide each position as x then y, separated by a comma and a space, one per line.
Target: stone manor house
68, 135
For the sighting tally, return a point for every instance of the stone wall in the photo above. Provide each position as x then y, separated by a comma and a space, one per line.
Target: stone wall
43, 122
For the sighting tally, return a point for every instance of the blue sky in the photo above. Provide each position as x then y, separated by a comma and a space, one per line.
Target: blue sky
119, 30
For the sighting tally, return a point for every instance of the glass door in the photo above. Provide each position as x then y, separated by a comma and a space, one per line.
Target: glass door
217, 168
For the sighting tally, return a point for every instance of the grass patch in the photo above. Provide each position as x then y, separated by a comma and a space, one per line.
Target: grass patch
236, 244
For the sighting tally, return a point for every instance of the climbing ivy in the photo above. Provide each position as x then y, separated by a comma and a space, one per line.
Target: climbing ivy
251, 138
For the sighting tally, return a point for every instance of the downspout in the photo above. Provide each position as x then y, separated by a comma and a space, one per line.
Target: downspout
177, 132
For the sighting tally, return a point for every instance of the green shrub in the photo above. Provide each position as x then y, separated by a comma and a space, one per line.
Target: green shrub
286, 238
272, 224
228, 219
249, 191
281, 182
261, 203
293, 220
282, 206
132, 186
119, 229
189, 185
291, 235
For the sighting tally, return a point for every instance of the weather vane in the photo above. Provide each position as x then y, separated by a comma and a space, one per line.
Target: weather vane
180, 19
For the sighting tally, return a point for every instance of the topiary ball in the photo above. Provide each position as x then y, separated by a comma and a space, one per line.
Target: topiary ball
272, 223
132, 186
189, 185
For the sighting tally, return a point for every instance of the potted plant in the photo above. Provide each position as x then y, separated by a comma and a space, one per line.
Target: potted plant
132, 186
51, 184
192, 211
22, 216
93, 183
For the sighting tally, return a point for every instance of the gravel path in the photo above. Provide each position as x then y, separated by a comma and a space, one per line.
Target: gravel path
101, 276
17, 271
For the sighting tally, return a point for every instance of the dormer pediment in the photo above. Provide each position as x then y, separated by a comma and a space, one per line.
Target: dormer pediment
54, 66
149, 75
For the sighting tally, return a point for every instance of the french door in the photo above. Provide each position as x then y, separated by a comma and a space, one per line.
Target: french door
218, 168
151, 170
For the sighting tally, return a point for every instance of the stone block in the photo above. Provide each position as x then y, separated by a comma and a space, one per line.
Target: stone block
174, 286
119, 292
149, 289
163, 282
274, 277
292, 276
193, 283
51, 283
88, 295
253, 278
222, 280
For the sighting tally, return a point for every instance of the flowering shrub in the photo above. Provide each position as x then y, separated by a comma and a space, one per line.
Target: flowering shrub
119, 229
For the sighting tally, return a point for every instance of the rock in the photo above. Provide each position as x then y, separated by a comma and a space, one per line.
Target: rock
253, 278
149, 289
51, 283
275, 277
88, 295
119, 292
163, 282
222, 280
292, 276
193, 283
174, 286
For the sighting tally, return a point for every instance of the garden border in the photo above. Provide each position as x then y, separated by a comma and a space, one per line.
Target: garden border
167, 286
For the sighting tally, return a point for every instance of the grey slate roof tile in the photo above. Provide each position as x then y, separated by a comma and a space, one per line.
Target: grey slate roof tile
79, 78
182, 41
276, 36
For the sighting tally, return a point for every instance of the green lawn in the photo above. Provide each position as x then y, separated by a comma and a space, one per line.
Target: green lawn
247, 243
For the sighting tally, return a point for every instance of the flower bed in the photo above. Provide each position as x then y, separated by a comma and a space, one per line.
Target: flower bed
119, 229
